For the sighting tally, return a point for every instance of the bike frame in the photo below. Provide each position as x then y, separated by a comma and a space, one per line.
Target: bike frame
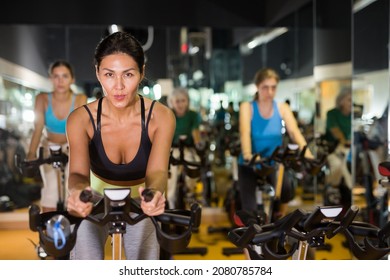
57, 159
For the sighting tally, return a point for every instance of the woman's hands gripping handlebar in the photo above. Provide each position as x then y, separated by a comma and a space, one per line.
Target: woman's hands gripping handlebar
80, 203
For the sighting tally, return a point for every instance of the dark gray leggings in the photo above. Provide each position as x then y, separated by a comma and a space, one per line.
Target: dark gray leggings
247, 180
140, 242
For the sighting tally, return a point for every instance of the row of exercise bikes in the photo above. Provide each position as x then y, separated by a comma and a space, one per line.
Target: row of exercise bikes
292, 236
263, 237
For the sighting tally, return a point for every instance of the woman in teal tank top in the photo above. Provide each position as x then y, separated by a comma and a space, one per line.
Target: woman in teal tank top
261, 131
51, 111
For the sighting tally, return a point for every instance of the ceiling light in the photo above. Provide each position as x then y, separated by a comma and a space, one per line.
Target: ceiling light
262, 38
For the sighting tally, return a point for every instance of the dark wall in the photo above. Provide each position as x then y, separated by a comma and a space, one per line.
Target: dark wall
74, 32
157, 60
75, 44
372, 37
333, 36
304, 52
24, 45
168, 13
36, 46
291, 54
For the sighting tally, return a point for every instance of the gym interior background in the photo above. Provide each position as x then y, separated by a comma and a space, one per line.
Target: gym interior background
214, 49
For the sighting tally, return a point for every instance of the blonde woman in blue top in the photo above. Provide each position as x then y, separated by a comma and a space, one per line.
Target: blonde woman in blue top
51, 111
260, 123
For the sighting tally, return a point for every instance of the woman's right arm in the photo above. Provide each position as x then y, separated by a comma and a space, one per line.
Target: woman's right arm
39, 123
77, 127
245, 129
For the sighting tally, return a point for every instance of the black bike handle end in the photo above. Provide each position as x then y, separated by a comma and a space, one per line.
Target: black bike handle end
384, 232
86, 196
148, 194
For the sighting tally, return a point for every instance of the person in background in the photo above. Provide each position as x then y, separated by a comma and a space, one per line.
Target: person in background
51, 112
260, 122
220, 134
187, 128
338, 135
122, 139
338, 119
233, 117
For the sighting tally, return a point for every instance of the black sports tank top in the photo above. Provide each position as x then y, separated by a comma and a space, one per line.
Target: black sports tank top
101, 164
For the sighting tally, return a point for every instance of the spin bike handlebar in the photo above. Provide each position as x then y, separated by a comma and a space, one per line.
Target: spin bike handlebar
298, 225
29, 168
313, 228
294, 159
376, 243
291, 157
192, 169
116, 206
263, 166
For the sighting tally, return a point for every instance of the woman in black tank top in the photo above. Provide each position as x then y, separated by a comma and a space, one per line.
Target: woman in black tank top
124, 139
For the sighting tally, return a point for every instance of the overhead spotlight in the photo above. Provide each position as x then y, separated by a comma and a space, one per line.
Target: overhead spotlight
263, 38
361, 4
266, 37
114, 28
157, 91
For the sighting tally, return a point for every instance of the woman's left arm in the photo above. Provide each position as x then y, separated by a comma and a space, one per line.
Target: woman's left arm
162, 126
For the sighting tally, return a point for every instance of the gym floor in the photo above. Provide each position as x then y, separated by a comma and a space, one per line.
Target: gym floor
16, 240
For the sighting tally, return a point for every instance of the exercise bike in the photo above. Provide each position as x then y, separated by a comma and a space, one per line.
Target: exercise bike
383, 197
184, 197
291, 236
57, 159
289, 159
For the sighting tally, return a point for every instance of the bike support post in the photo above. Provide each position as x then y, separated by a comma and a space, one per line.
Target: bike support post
116, 246
55, 150
301, 252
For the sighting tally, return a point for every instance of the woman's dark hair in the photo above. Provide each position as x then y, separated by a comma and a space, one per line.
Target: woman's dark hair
59, 63
120, 42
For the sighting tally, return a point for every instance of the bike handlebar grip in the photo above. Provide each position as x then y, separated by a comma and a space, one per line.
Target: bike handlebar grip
148, 194
18, 160
347, 219
275, 155
40, 155
196, 214
248, 235
34, 217
384, 232
86, 196
349, 216
303, 152
253, 159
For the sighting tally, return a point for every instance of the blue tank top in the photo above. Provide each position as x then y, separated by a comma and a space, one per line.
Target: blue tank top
266, 134
52, 123
106, 169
